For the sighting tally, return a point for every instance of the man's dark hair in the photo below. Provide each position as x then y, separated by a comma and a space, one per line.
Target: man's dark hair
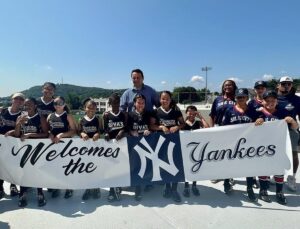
138, 71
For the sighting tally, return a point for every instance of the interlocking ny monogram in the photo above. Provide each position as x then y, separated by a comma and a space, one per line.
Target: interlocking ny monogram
156, 162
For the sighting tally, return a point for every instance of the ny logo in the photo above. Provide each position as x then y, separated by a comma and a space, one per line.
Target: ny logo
156, 162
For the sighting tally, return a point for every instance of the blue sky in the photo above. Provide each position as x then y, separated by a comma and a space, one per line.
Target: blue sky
98, 43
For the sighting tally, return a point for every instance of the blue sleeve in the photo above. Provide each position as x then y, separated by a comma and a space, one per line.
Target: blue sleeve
124, 101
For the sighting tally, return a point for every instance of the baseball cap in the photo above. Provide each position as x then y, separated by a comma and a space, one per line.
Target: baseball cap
241, 92
286, 79
270, 94
18, 94
260, 83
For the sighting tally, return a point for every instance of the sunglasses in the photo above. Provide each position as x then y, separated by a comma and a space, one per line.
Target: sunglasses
286, 84
60, 103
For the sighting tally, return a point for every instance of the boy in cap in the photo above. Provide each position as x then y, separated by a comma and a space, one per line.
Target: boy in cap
271, 112
288, 100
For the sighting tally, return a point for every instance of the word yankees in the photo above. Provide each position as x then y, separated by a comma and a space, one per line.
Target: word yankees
33, 154
199, 153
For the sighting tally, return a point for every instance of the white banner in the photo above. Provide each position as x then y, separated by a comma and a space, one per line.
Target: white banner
243, 150
222, 152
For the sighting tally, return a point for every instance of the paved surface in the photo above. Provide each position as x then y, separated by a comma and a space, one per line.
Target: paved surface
213, 209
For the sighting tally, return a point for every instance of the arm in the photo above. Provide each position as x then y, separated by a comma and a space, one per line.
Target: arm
202, 119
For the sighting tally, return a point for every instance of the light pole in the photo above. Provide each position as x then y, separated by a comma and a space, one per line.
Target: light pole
206, 69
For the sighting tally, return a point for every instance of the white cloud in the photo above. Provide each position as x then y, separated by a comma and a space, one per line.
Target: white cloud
197, 79
268, 77
48, 67
235, 79
163, 82
108, 82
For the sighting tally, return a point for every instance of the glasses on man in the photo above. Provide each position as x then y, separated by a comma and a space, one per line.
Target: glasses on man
286, 84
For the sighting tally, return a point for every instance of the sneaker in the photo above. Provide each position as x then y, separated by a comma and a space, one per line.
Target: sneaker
195, 190
216, 181
2, 193
176, 197
167, 193
228, 188
13, 190
113, 195
68, 193
96, 193
148, 187
186, 192
55, 193
291, 183
263, 195
252, 197
86, 194
41, 200
281, 199
22, 201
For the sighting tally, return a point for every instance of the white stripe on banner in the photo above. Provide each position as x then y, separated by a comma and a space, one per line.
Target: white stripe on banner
222, 152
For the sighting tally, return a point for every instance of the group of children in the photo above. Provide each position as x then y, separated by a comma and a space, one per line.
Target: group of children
50, 117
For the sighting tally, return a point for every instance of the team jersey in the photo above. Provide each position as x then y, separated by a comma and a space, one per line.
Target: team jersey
138, 121
291, 103
233, 116
220, 105
58, 123
33, 125
44, 108
278, 114
255, 104
8, 120
89, 126
113, 123
197, 124
167, 118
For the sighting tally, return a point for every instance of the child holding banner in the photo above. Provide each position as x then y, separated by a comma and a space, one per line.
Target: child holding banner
114, 122
138, 125
61, 125
191, 123
31, 125
271, 112
238, 114
89, 128
168, 119
8, 118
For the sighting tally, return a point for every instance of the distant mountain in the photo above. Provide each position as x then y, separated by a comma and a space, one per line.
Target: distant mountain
65, 89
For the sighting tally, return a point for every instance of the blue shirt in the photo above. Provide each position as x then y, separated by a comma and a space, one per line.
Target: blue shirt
220, 105
152, 99
232, 116
291, 103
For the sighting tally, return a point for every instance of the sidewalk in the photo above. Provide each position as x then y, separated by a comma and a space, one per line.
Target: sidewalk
213, 209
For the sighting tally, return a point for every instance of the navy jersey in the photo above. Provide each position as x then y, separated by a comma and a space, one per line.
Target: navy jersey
291, 103
44, 108
219, 107
89, 126
167, 118
138, 121
33, 125
197, 124
58, 123
233, 116
8, 120
255, 105
278, 114
113, 123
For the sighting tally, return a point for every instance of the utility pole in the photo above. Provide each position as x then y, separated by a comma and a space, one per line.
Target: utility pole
206, 69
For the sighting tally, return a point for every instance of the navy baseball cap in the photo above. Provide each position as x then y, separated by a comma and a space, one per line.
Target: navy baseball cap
260, 83
270, 94
241, 92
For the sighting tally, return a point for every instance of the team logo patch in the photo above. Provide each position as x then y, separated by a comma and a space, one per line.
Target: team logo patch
155, 158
